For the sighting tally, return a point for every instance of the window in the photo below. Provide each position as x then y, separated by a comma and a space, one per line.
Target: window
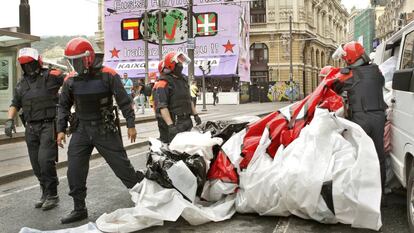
259, 53
5, 65
407, 59
258, 4
258, 11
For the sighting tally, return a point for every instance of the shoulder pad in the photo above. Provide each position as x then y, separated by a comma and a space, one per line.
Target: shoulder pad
345, 70
55, 72
109, 70
161, 84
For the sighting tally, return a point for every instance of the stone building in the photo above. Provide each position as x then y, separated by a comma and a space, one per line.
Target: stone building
318, 26
351, 23
397, 13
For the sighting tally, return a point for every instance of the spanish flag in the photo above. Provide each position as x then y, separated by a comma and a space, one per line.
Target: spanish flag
130, 29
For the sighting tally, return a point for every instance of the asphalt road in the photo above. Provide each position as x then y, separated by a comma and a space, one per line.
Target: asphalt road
106, 194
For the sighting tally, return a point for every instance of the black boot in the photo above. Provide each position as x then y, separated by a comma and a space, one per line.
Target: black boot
42, 200
51, 202
79, 213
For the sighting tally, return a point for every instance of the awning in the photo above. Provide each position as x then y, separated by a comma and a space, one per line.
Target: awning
9, 38
221, 66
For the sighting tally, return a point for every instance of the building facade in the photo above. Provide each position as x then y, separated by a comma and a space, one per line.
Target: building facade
397, 13
351, 23
364, 28
318, 27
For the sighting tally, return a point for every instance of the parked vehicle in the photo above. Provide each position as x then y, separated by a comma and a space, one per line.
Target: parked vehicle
401, 45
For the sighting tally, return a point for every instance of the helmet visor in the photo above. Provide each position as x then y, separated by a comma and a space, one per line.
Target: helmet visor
339, 53
76, 65
182, 58
30, 68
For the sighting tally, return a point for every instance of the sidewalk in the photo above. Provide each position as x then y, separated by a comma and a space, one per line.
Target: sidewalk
15, 164
19, 135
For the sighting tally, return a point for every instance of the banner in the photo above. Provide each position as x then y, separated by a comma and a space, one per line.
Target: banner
221, 35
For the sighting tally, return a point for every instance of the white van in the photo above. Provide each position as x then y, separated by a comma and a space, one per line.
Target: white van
401, 45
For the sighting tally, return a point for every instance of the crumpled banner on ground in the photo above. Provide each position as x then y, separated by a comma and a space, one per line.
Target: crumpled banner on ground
292, 182
155, 204
87, 228
286, 124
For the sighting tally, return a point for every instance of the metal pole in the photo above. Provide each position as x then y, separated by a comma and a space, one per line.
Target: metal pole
291, 58
160, 30
146, 40
190, 50
24, 17
204, 92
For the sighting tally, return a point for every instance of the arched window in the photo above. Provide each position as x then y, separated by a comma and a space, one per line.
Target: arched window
259, 53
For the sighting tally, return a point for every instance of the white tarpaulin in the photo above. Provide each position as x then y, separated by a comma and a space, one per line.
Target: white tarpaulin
155, 204
292, 182
87, 228
329, 150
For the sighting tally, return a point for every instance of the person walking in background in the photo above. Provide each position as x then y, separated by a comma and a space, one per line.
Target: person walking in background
128, 85
140, 97
194, 92
215, 97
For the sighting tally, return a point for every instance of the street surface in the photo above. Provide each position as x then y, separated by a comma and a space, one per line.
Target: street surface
106, 194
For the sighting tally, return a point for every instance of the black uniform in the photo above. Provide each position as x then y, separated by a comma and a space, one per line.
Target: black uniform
366, 104
92, 96
38, 98
173, 92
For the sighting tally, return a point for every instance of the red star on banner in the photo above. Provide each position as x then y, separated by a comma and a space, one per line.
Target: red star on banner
114, 53
228, 47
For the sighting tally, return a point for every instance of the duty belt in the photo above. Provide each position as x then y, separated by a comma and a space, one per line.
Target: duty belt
42, 121
181, 116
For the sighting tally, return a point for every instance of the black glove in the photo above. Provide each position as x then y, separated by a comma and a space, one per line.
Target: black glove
197, 119
9, 127
172, 131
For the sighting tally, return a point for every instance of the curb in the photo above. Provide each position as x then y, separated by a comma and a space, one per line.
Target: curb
29, 172
19, 137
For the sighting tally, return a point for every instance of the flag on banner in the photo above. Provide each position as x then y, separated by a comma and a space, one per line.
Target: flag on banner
130, 29
207, 24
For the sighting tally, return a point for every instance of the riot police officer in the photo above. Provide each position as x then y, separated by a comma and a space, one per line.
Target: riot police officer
91, 90
172, 98
37, 95
363, 83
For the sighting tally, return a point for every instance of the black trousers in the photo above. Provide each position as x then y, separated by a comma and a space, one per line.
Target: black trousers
43, 152
183, 124
373, 124
109, 145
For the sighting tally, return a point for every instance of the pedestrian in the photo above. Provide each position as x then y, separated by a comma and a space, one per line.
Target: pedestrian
128, 85
36, 93
363, 84
172, 98
215, 97
91, 90
194, 92
140, 97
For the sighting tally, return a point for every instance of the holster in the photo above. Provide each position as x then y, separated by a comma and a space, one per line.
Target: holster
109, 121
73, 123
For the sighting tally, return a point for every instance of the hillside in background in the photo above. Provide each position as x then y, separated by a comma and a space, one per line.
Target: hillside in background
52, 47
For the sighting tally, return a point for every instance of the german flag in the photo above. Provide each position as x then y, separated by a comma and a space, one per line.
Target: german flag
130, 29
